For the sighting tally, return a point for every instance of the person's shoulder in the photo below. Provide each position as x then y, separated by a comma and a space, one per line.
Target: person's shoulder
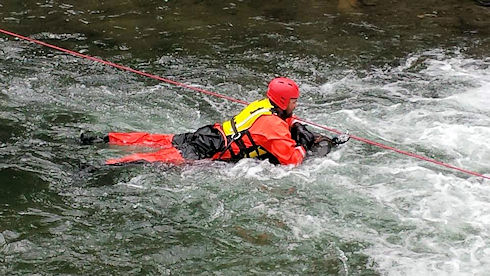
272, 120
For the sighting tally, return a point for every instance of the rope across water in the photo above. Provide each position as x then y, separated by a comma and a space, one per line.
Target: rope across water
204, 91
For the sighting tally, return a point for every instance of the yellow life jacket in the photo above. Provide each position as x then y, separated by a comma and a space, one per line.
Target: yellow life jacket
239, 125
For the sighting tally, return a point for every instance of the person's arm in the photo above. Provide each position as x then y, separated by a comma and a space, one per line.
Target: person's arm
308, 139
272, 133
291, 120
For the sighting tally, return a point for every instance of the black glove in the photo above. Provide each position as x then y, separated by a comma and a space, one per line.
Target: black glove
302, 135
323, 144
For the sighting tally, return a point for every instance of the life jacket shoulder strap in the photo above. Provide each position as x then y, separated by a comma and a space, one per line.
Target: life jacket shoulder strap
236, 128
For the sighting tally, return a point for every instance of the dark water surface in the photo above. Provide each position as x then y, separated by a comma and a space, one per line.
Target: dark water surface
411, 75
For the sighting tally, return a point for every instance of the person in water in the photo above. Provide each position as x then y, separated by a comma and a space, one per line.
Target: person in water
265, 129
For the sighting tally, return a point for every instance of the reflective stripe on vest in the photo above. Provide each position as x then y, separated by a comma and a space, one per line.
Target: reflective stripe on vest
245, 119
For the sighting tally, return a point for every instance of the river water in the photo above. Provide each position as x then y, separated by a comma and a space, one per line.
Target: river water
412, 76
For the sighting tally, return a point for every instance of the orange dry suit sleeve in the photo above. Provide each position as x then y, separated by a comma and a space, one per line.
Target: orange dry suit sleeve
273, 134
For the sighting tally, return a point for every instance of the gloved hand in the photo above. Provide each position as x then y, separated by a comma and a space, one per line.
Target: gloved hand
323, 144
302, 135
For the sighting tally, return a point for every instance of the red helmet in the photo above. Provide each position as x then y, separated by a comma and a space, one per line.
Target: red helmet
281, 90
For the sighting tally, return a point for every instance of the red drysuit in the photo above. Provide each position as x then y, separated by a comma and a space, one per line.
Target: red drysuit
269, 132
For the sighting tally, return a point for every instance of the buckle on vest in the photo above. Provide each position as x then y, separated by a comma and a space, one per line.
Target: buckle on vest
236, 136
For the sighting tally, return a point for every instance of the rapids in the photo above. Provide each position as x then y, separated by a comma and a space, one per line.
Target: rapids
359, 211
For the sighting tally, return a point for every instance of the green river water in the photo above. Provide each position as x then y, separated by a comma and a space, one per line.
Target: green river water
414, 75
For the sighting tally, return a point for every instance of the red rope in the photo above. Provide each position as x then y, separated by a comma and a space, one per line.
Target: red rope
367, 141
125, 68
122, 67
